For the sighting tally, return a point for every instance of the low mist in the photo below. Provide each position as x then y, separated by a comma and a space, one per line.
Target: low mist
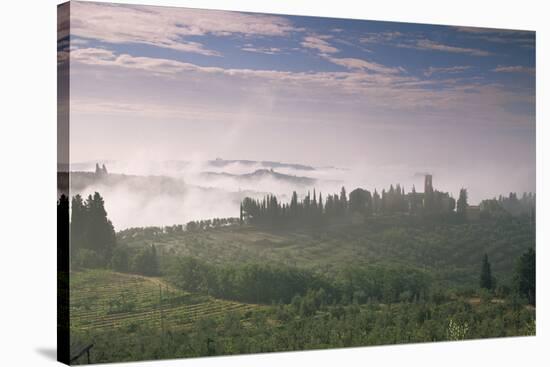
140, 194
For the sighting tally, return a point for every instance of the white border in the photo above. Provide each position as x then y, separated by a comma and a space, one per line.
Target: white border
28, 156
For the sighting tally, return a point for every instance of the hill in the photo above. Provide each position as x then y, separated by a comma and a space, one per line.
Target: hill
451, 252
262, 174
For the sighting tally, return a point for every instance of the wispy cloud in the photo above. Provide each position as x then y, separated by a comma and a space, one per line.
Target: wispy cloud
168, 27
326, 51
514, 69
360, 64
313, 79
445, 70
525, 39
418, 42
319, 43
380, 37
429, 45
381, 86
262, 50
477, 30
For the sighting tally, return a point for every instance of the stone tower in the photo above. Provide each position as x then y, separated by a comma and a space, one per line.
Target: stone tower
428, 184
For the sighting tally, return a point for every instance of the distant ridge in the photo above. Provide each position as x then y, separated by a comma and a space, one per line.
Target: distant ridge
261, 174
268, 164
182, 164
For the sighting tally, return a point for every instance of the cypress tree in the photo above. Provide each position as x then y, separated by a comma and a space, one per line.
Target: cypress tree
486, 278
525, 276
462, 203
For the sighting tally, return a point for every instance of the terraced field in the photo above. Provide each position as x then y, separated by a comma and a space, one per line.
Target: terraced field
103, 300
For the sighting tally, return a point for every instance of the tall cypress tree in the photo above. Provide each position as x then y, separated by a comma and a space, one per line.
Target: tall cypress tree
525, 276
100, 233
78, 223
486, 278
343, 199
462, 203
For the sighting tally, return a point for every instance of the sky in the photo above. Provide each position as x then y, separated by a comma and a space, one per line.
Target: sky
164, 83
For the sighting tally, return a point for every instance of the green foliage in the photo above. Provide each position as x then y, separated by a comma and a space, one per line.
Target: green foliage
257, 283
383, 284
525, 276
305, 324
91, 229
389, 278
145, 262
360, 201
121, 259
457, 331
87, 259
462, 203
338, 209
448, 250
486, 277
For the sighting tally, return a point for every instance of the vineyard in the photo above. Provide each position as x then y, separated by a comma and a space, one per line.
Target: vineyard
102, 300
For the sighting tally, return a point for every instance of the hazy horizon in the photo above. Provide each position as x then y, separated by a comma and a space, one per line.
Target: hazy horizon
384, 100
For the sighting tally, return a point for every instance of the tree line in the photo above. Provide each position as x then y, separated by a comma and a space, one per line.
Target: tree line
92, 234
510, 205
93, 242
267, 283
313, 210
524, 278
360, 204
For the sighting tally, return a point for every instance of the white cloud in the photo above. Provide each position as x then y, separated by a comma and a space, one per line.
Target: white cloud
446, 70
425, 44
168, 27
380, 37
342, 80
381, 87
525, 39
514, 69
319, 43
360, 64
476, 30
261, 50
398, 39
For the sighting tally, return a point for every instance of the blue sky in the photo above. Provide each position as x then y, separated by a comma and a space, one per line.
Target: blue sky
204, 83
417, 48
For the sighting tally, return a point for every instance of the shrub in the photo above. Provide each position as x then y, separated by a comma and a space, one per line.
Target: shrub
87, 259
120, 260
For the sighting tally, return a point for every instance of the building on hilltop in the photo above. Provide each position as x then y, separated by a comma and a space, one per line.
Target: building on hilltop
430, 201
428, 187
473, 212
100, 171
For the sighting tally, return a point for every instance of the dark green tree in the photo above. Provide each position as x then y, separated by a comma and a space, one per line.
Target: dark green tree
145, 262
100, 233
241, 214
120, 260
525, 276
486, 278
360, 201
78, 223
343, 199
462, 203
